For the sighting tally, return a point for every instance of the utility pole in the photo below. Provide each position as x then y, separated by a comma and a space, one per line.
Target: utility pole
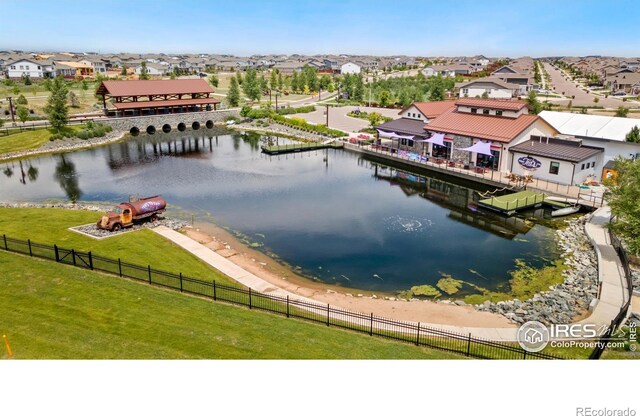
327, 106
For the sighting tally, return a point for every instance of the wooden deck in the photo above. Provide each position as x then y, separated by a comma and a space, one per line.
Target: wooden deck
512, 203
300, 147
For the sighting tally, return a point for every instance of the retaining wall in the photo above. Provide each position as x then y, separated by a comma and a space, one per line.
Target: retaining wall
174, 122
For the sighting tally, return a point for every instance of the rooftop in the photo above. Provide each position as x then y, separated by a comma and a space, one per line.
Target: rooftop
495, 128
557, 149
167, 103
404, 125
154, 87
433, 109
592, 126
511, 105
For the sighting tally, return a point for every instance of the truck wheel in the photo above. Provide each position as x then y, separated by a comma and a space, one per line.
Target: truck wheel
154, 218
116, 227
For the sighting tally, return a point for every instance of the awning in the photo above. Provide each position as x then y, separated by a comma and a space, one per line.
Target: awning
393, 135
437, 138
483, 148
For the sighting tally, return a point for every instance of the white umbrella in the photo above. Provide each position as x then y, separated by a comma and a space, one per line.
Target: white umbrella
480, 147
437, 138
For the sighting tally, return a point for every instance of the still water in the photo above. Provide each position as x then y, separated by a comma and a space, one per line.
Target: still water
336, 216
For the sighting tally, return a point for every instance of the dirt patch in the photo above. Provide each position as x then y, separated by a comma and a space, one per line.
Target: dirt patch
280, 275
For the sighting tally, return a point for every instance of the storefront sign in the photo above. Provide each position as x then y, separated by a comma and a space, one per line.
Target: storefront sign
529, 163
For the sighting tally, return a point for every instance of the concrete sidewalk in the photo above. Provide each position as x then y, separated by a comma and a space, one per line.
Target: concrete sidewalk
614, 291
252, 281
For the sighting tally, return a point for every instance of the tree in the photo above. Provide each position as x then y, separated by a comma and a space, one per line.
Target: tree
358, 91
233, 95
56, 107
85, 84
404, 98
623, 197
251, 85
214, 81
144, 72
485, 95
23, 113
534, 105
264, 84
622, 111
47, 84
73, 100
324, 82
375, 119
239, 77
26, 79
273, 80
172, 75
437, 92
1, 122
22, 100
123, 72
384, 98
280, 81
295, 84
16, 90
634, 135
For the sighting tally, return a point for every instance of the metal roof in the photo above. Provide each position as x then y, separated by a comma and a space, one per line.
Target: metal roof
511, 105
591, 126
165, 103
432, 109
404, 125
154, 87
557, 149
495, 128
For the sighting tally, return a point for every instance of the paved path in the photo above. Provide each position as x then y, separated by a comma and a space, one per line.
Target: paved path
614, 291
248, 279
569, 88
338, 118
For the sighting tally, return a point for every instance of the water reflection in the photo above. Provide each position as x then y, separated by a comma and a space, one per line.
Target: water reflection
27, 171
67, 177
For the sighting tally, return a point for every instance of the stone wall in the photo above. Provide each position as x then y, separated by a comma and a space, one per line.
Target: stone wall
126, 124
461, 155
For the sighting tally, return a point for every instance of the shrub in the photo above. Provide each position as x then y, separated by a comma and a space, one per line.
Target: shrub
56, 136
231, 118
83, 134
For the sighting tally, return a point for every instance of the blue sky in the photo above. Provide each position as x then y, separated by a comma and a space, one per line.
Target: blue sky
376, 27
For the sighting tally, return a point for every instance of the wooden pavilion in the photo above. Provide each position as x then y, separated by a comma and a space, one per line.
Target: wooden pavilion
151, 97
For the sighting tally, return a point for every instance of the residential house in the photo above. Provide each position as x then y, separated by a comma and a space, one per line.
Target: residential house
510, 75
491, 87
350, 68
153, 69
622, 81
31, 68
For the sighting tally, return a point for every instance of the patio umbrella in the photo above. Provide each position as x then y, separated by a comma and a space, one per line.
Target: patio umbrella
393, 135
480, 147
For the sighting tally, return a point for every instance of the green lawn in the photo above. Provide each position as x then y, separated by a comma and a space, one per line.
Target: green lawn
53, 311
50, 226
27, 140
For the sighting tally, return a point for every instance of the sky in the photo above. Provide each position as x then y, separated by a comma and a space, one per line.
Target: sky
373, 27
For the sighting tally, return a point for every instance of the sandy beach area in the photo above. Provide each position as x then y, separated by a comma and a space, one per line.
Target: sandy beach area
278, 274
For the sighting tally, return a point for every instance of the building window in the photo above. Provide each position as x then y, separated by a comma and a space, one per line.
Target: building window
21, 66
554, 168
39, 67
485, 111
465, 90
593, 164
474, 110
498, 112
13, 67
582, 168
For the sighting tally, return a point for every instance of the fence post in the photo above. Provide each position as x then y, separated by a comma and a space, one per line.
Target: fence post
371, 326
73, 256
328, 310
180, 281
149, 270
29, 243
119, 267
469, 345
418, 335
287, 306
214, 290
6, 247
55, 248
524, 356
249, 298
90, 261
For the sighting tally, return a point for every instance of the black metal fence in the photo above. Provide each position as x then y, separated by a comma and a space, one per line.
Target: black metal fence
22, 127
370, 324
622, 315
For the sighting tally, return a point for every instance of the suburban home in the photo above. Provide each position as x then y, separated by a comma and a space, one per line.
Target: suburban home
429, 71
604, 132
153, 69
350, 68
498, 124
83, 69
31, 68
622, 81
492, 87
64, 70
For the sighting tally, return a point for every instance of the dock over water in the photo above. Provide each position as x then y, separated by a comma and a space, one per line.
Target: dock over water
300, 147
512, 203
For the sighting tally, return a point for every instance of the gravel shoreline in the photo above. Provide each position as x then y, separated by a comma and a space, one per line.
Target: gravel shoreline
65, 145
563, 302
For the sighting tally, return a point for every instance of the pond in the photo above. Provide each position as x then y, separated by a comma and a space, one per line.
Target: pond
335, 216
